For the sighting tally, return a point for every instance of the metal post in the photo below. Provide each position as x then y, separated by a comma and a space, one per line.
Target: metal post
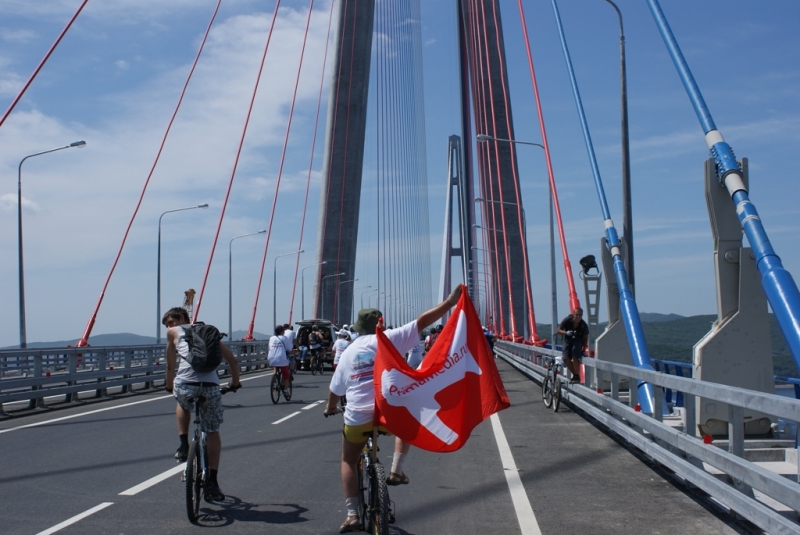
23, 337
322, 287
230, 278
303, 287
275, 285
339, 297
158, 269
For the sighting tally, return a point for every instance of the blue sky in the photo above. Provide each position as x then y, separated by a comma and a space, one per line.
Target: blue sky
116, 77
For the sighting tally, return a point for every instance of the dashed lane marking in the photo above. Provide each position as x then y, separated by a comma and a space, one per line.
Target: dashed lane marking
286, 418
527, 520
75, 518
307, 407
153, 481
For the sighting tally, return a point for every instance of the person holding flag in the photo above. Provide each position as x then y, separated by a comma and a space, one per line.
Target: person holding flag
354, 378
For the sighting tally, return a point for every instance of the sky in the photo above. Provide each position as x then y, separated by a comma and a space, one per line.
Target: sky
115, 79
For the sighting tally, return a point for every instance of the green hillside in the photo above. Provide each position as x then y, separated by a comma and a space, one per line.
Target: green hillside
673, 339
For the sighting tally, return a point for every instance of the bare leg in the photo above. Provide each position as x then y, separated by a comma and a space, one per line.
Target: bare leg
183, 418
350, 453
214, 449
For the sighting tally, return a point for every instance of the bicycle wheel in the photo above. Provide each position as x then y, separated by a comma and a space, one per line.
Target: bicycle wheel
556, 393
275, 388
380, 510
193, 476
363, 491
547, 390
320, 365
288, 390
313, 365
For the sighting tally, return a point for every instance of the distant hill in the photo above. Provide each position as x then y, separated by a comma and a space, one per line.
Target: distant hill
121, 339
672, 337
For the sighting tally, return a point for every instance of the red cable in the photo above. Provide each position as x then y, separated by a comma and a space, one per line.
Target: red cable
250, 328
574, 302
41, 64
84, 341
523, 241
235, 164
311, 159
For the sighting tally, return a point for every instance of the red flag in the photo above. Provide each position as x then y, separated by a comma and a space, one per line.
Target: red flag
457, 387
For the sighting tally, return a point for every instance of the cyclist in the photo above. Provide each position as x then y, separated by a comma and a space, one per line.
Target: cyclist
353, 377
188, 384
340, 345
576, 338
315, 345
289, 338
278, 359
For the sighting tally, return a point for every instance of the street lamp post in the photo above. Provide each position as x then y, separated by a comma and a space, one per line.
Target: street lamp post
230, 279
275, 285
379, 298
322, 288
23, 337
158, 268
553, 291
627, 217
353, 301
365, 293
303, 287
339, 297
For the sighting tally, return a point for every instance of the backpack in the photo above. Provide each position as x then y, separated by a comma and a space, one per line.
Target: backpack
204, 352
313, 338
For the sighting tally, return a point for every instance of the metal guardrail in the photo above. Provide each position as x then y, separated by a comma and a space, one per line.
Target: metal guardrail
36, 374
682, 453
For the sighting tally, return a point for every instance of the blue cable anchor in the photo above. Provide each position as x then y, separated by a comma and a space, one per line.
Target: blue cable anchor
627, 304
779, 286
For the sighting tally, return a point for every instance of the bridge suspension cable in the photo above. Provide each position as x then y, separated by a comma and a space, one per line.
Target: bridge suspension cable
236, 161
84, 340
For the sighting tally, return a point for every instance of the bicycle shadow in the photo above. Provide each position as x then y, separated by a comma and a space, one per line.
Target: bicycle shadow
234, 509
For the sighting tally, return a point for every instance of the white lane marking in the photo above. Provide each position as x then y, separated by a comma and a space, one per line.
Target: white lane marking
307, 407
527, 520
75, 518
45, 422
153, 480
286, 418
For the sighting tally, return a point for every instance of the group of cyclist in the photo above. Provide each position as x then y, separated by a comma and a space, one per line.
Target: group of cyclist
355, 350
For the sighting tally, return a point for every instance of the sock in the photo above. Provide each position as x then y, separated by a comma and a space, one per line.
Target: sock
212, 476
184, 440
352, 506
397, 462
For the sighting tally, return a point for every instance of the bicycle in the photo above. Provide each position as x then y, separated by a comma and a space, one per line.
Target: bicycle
196, 470
277, 387
551, 385
375, 509
317, 362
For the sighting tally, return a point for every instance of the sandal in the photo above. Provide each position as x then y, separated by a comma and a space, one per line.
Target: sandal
397, 479
351, 523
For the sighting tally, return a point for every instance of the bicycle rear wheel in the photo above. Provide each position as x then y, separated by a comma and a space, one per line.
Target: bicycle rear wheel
193, 477
314, 365
547, 390
275, 388
556, 393
380, 512
287, 390
320, 365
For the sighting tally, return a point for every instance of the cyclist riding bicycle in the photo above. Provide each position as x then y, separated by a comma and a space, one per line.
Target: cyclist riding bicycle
353, 377
278, 357
188, 384
576, 339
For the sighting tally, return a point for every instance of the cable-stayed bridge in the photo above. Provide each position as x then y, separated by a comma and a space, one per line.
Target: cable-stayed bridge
354, 138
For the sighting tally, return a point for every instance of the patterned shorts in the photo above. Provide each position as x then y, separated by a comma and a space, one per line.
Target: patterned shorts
210, 410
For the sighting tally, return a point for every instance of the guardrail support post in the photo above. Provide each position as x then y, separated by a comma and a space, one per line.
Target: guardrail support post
633, 392
658, 407
736, 444
37, 373
614, 385
128, 357
101, 366
72, 369
150, 358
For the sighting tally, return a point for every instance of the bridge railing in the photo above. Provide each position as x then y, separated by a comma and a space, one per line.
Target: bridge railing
682, 452
36, 374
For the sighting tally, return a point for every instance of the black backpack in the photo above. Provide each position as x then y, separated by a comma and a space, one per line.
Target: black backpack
204, 352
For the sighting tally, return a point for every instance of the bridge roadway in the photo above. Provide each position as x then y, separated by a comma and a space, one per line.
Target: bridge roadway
284, 477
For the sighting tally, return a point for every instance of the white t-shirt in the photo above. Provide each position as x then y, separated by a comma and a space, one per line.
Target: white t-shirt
338, 347
277, 352
289, 336
415, 356
353, 375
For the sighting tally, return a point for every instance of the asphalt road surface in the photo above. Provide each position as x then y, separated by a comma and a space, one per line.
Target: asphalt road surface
108, 468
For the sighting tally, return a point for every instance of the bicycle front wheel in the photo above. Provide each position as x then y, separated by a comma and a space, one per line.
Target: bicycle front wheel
320, 365
363, 491
313, 365
275, 388
556, 394
380, 510
193, 476
288, 390
547, 390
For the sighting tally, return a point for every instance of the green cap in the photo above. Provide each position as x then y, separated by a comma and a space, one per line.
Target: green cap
367, 320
